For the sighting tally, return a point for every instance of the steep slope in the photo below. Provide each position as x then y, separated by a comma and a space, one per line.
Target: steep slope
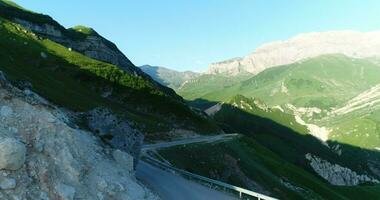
170, 78
304, 46
45, 156
324, 82
277, 156
82, 39
331, 91
246, 163
206, 83
79, 83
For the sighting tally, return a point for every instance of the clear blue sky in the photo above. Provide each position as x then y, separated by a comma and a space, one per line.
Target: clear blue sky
190, 34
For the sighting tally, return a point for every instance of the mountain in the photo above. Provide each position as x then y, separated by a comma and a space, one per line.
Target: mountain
275, 155
310, 129
350, 43
69, 77
332, 91
203, 84
168, 77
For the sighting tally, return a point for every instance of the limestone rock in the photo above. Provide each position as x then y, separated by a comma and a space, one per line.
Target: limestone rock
7, 183
63, 161
12, 154
5, 111
123, 159
117, 131
350, 43
65, 192
336, 174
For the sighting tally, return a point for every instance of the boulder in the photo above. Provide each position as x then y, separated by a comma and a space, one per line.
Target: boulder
7, 183
123, 159
12, 154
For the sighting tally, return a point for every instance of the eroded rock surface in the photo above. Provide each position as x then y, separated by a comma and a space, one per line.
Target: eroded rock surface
41, 157
336, 174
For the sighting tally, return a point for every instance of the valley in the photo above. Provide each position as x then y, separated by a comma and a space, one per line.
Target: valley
297, 118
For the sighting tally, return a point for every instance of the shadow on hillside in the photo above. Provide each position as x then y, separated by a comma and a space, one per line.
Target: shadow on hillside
78, 84
201, 103
292, 145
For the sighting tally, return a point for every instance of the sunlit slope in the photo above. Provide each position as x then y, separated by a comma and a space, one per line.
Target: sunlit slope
80, 83
324, 82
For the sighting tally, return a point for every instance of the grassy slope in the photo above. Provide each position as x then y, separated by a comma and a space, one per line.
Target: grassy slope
200, 86
264, 167
273, 149
321, 82
75, 81
324, 82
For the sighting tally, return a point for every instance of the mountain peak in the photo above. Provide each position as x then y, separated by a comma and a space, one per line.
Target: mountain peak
307, 45
84, 30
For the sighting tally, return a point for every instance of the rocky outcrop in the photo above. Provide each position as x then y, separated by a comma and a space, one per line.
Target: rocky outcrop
336, 174
116, 131
350, 43
42, 157
93, 45
12, 153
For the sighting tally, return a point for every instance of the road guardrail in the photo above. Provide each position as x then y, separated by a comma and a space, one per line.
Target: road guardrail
239, 190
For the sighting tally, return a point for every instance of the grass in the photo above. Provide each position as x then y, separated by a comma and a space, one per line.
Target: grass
323, 82
262, 166
204, 84
76, 82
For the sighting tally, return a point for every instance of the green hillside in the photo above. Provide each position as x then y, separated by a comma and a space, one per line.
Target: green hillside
168, 77
236, 160
77, 82
323, 82
270, 157
206, 83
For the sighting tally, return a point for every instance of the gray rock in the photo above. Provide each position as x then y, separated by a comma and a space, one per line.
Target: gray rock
12, 154
7, 183
336, 174
117, 131
6, 111
123, 159
65, 192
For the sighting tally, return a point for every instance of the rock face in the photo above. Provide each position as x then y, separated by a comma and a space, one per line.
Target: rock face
117, 132
61, 162
94, 45
336, 174
350, 43
12, 154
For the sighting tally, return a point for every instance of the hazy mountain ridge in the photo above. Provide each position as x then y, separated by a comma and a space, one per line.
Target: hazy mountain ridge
168, 77
350, 43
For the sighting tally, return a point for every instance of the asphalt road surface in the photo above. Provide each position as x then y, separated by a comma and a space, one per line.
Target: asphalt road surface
169, 186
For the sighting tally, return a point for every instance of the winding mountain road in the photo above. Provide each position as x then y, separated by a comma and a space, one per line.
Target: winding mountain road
199, 139
169, 186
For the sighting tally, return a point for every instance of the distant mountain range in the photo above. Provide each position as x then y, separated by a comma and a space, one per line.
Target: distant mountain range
350, 43
312, 101
169, 77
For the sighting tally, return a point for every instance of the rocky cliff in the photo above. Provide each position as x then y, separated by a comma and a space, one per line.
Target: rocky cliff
350, 43
336, 174
81, 39
44, 156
